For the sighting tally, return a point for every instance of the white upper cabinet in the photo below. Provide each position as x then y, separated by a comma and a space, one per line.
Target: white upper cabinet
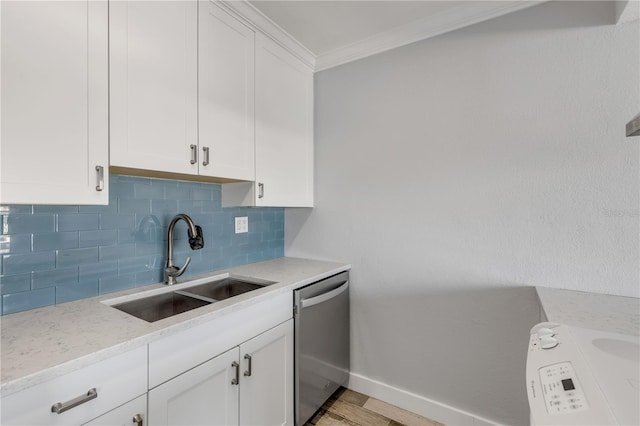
160, 88
153, 64
54, 139
284, 133
225, 94
182, 89
284, 127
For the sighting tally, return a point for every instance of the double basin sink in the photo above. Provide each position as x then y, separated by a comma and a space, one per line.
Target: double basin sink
189, 296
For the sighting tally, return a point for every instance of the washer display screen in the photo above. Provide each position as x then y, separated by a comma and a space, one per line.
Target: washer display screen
567, 384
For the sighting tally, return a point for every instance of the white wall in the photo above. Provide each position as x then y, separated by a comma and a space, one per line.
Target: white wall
627, 10
457, 172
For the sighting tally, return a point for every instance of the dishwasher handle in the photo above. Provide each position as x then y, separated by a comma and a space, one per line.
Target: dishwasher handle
325, 296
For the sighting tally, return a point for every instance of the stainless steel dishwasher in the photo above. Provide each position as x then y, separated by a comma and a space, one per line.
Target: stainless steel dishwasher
321, 324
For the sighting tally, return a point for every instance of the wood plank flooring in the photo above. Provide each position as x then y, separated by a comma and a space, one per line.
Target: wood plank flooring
347, 407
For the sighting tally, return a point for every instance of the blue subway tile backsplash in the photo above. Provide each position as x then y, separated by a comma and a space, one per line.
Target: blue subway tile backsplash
74, 257
77, 222
37, 298
103, 237
58, 276
56, 254
21, 223
15, 243
54, 240
19, 263
15, 283
75, 291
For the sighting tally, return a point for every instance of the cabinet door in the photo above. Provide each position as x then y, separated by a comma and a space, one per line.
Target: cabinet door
266, 391
284, 128
153, 64
225, 94
131, 413
54, 102
204, 395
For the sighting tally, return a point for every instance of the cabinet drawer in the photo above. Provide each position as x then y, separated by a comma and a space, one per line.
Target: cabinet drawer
116, 381
173, 355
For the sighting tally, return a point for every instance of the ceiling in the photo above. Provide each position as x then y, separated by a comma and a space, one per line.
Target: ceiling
328, 33
323, 26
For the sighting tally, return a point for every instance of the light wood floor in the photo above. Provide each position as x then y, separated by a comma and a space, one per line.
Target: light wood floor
346, 407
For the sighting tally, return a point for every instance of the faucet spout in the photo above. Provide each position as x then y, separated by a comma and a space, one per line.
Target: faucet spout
196, 241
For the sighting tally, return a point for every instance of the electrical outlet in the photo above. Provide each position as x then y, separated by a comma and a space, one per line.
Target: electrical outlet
242, 224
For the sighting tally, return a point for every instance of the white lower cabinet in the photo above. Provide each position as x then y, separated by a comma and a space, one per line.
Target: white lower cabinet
203, 395
250, 384
266, 379
132, 413
236, 369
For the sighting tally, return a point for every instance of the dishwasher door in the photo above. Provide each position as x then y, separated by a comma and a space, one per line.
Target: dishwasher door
321, 362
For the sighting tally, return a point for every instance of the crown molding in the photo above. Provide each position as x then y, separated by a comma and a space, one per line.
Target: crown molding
452, 19
446, 21
255, 18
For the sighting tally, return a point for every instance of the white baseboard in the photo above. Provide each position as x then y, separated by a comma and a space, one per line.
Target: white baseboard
426, 407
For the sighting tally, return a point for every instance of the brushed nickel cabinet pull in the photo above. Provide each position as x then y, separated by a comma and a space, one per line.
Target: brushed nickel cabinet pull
206, 155
137, 419
248, 358
100, 185
260, 190
194, 154
236, 380
61, 407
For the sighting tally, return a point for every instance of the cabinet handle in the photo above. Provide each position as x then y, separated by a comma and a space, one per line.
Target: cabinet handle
260, 190
206, 155
194, 154
248, 358
236, 380
100, 172
61, 407
137, 419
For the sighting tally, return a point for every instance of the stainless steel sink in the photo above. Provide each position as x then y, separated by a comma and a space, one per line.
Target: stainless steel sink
187, 297
164, 305
223, 289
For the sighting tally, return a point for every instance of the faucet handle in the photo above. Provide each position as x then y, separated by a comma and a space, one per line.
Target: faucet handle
172, 272
184, 267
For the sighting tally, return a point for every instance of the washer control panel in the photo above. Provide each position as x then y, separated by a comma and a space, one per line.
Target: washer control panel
561, 385
561, 389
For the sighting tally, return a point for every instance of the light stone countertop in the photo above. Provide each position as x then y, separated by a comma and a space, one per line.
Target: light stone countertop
42, 344
616, 314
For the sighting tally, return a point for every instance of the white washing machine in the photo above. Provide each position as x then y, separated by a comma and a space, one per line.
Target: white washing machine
579, 376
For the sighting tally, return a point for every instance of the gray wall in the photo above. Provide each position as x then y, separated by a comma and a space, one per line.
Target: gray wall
457, 172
